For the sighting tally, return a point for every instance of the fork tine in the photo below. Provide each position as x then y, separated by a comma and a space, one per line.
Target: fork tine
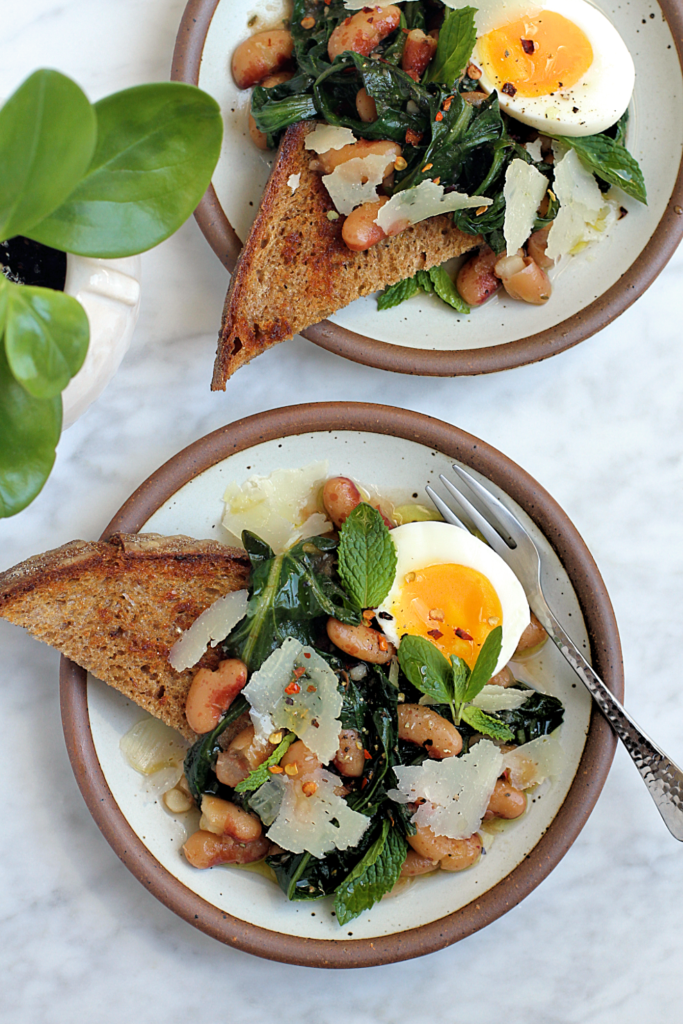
506, 523
482, 524
448, 513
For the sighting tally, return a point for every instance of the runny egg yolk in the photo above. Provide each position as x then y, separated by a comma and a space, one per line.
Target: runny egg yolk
452, 605
536, 56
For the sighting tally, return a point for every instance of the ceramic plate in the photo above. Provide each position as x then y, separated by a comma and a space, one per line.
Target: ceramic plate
423, 335
399, 453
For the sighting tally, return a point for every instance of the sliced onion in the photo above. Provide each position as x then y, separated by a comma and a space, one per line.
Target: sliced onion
151, 745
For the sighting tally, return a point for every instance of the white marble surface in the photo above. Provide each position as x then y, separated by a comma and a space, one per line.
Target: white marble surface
601, 427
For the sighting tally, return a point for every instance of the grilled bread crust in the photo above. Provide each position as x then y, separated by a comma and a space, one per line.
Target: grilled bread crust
117, 607
295, 268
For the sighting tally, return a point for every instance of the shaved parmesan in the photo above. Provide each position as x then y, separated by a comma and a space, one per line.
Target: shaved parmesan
306, 702
278, 508
211, 626
294, 181
455, 791
355, 181
585, 214
534, 150
524, 189
500, 698
304, 824
329, 136
425, 200
534, 762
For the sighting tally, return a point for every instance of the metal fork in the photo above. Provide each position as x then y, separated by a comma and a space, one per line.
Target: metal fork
506, 535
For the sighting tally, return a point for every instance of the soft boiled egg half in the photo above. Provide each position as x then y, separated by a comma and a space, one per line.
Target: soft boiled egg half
559, 66
452, 589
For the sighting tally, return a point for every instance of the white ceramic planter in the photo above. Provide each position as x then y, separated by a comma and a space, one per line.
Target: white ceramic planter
109, 291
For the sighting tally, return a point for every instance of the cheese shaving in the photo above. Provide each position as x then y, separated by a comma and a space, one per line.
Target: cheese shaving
298, 690
425, 200
294, 180
304, 824
500, 698
455, 791
524, 189
585, 214
534, 762
327, 137
212, 626
355, 181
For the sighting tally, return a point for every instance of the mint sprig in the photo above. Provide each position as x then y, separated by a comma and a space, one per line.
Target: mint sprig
261, 774
452, 682
367, 556
375, 875
457, 37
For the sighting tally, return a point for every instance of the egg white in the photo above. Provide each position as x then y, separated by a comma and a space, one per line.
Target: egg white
596, 101
419, 545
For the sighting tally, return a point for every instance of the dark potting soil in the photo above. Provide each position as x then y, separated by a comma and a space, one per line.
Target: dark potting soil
27, 262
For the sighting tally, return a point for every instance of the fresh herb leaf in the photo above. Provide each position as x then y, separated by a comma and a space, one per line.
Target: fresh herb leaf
611, 161
46, 337
489, 725
424, 280
375, 875
485, 663
425, 667
457, 37
261, 774
367, 556
446, 290
274, 115
48, 133
397, 293
539, 715
460, 676
302, 876
202, 755
29, 431
290, 597
157, 146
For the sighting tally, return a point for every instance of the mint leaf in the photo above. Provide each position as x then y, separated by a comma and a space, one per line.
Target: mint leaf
485, 664
611, 161
486, 724
395, 294
461, 675
426, 668
457, 37
446, 290
367, 556
424, 280
261, 774
373, 876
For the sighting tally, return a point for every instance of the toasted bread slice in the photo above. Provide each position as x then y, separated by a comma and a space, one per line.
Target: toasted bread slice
117, 607
295, 269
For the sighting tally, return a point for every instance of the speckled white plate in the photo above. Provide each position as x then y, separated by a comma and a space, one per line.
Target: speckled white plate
398, 453
423, 335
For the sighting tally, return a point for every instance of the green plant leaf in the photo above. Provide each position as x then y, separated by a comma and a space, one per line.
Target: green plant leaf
373, 876
461, 675
426, 668
46, 338
48, 132
261, 774
367, 556
457, 37
424, 280
29, 432
486, 724
446, 290
485, 663
611, 161
397, 293
202, 755
157, 146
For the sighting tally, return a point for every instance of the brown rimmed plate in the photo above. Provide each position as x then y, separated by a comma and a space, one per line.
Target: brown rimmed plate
398, 452
423, 336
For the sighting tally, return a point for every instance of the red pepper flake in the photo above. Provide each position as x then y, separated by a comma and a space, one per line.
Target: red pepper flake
427, 167
439, 117
309, 788
363, 783
307, 654
275, 769
462, 633
509, 89
299, 671
293, 688
528, 45
447, 103
310, 689
308, 22
367, 755
435, 633
413, 138
437, 180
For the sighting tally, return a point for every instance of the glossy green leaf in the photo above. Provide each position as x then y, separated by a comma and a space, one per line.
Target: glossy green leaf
157, 146
397, 293
446, 290
29, 432
47, 138
456, 40
46, 338
426, 668
488, 725
485, 664
367, 556
610, 161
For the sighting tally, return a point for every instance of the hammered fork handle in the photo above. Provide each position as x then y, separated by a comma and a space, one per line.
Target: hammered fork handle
663, 778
